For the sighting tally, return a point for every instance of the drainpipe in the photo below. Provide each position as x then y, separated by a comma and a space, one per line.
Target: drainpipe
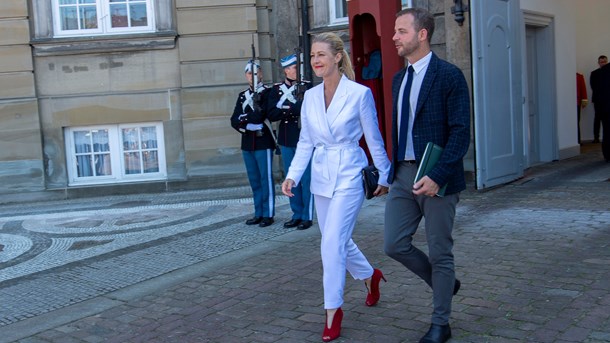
306, 45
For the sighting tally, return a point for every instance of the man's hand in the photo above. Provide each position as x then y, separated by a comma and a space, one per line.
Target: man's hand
425, 186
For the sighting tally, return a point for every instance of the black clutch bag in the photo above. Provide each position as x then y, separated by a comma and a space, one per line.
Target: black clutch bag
370, 177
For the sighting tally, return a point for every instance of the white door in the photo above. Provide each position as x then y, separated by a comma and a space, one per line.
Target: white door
533, 120
540, 121
498, 98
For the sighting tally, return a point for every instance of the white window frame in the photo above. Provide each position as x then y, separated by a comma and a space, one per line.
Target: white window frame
407, 4
332, 9
117, 151
104, 20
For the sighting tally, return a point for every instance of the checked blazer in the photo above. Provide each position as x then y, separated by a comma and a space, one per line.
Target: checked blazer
442, 116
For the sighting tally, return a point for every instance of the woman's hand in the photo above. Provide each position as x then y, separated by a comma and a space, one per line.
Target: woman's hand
287, 187
381, 190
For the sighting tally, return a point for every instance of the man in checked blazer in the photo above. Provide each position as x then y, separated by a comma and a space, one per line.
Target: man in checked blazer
431, 104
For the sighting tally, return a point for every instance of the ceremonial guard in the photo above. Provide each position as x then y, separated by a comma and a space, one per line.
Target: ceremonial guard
257, 144
284, 105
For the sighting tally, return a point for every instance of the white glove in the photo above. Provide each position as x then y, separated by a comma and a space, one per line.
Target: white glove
254, 127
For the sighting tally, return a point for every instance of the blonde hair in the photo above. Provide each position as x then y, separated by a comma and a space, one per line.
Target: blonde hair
337, 47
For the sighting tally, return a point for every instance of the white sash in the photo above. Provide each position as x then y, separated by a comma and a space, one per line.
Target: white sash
286, 96
249, 100
250, 97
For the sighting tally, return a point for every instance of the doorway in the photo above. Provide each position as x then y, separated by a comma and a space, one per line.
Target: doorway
532, 128
540, 121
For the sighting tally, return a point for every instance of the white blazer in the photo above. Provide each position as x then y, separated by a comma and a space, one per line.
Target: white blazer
332, 137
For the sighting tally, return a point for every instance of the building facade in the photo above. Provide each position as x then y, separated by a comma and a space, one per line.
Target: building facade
102, 97
124, 96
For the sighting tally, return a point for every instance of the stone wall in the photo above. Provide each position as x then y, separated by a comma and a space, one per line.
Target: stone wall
21, 164
215, 44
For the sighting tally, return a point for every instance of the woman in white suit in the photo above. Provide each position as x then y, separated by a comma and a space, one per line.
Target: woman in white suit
334, 116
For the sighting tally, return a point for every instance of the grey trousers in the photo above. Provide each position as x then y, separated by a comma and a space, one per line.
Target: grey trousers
403, 213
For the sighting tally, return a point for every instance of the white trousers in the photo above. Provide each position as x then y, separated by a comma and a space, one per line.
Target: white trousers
336, 219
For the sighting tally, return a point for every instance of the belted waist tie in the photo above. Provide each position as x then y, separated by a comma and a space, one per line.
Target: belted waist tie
320, 158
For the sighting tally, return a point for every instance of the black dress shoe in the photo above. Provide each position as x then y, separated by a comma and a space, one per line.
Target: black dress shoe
254, 220
305, 224
292, 223
266, 221
437, 334
456, 286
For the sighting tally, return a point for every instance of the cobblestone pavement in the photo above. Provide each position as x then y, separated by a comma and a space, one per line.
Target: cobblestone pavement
533, 257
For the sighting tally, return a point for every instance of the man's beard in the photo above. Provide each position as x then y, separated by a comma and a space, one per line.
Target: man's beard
410, 48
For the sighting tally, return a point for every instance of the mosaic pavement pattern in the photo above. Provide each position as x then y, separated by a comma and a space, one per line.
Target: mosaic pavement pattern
58, 258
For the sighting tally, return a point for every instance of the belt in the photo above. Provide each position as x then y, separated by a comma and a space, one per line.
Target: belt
320, 162
408, 162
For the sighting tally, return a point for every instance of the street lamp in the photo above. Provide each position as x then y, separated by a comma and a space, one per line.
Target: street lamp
458, 10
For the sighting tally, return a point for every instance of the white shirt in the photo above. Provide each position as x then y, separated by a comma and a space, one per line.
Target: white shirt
419, 71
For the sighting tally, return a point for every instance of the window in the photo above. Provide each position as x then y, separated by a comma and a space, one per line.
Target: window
98, 17
140, 150
407, 4
115, 153
338, 12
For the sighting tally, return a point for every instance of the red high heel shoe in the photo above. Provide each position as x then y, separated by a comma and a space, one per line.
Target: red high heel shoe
373, 297
335, 329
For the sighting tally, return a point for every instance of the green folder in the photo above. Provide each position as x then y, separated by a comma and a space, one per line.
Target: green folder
431, 155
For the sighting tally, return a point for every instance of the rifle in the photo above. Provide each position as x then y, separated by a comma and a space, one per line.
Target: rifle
300, 88
256, 98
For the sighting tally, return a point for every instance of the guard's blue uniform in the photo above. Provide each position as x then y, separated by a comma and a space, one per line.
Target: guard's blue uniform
283, 106
257, 145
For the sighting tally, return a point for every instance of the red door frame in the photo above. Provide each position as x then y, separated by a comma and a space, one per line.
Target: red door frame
363, 16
